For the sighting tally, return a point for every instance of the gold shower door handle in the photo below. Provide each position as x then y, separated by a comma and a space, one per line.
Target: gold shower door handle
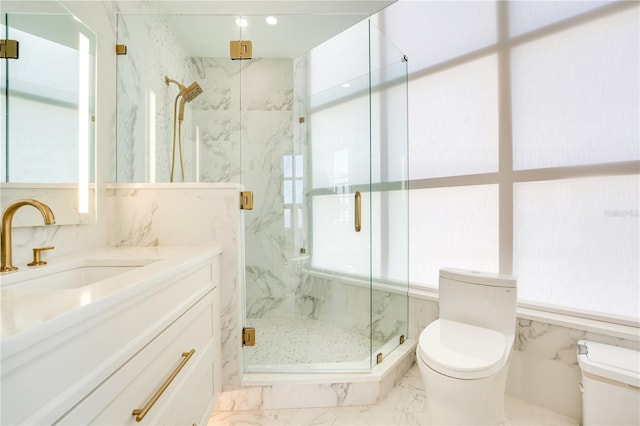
141, 412
358, 212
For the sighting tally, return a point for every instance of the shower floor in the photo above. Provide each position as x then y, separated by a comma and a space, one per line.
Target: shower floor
301, 342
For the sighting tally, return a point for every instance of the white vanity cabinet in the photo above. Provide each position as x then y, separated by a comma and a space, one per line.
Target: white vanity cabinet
159, 354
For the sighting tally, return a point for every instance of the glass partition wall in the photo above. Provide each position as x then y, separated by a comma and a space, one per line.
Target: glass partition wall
320, 138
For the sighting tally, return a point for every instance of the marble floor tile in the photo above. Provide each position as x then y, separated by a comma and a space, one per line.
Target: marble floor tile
403, 406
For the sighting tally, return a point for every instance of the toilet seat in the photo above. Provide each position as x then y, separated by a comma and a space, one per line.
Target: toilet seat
462, 351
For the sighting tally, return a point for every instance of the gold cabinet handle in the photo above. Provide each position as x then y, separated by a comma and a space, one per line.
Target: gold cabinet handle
141, 412
358, 212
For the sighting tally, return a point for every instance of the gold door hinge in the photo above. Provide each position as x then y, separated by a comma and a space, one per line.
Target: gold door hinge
240, 49
246, 200
121, 49
248, 336
379, 358
402, 339
9, 49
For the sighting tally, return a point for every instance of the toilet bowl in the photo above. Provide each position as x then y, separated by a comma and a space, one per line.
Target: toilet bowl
464, 355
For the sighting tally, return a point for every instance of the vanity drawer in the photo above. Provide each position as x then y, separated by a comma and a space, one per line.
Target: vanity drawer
44, 381
194, 401
136, 382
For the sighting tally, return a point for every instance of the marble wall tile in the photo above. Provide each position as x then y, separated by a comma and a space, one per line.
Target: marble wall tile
544, 368
133, 214
154, 52
422, 312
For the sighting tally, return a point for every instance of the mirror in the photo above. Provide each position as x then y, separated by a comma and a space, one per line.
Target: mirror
48, 101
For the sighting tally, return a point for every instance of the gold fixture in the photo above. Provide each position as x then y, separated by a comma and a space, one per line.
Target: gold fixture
141, 412
379, 358
402, 339
248, 336
9, 49
121, 49
187, 94
37, 261
246, 200
5, 233
303, 250
301, 120
358, 212
240, 49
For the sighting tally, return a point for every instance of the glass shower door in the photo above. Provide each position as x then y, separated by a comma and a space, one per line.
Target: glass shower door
323, 149
307, 269
390, 195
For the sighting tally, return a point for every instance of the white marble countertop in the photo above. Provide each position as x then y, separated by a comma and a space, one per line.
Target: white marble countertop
30, 315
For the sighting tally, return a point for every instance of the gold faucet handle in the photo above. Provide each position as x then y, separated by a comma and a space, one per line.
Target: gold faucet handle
37, 260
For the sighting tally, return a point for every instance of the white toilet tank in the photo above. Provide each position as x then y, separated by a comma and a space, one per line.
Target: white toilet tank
610, 384
479, 298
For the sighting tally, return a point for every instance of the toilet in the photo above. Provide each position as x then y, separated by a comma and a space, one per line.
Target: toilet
610, 384
464, 355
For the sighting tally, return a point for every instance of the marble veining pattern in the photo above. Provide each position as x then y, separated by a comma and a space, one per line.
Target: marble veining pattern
404, 405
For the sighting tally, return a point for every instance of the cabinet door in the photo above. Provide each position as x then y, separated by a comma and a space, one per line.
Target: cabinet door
137, 381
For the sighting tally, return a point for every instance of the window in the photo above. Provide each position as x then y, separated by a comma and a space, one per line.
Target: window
292, 190
524, 146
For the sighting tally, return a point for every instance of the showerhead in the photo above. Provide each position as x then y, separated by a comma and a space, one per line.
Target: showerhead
187, 93
191, 92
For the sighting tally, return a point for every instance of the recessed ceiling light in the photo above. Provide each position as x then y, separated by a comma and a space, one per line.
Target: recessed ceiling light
242, 22
272, 20
346, 85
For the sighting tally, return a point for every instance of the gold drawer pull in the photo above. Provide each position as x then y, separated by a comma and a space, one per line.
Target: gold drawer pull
140, 413
358, 212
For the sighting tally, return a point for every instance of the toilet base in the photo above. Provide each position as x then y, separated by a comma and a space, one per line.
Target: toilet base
453, 401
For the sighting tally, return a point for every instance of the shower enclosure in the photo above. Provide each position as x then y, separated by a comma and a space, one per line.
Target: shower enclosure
319, 136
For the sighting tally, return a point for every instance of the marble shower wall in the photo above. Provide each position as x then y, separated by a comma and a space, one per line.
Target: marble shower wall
352, 306
217, 114
153, 52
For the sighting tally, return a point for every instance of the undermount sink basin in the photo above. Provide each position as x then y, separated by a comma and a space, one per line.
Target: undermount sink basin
73, 275
76, 277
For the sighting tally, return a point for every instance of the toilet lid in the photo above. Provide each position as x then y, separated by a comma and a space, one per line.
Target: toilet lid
461, 350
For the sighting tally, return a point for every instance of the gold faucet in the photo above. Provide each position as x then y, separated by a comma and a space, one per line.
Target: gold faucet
5, 232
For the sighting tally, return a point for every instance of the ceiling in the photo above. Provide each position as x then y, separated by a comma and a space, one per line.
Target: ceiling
206, 27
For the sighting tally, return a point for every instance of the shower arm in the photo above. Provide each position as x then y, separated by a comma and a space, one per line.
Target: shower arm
168, 80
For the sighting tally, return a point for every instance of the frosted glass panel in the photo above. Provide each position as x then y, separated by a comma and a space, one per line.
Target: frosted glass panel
575, 95
398, 229
343, 58
576, 243
336, 245
340, 144
431, 32
452, 227
525, 16
454, 121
